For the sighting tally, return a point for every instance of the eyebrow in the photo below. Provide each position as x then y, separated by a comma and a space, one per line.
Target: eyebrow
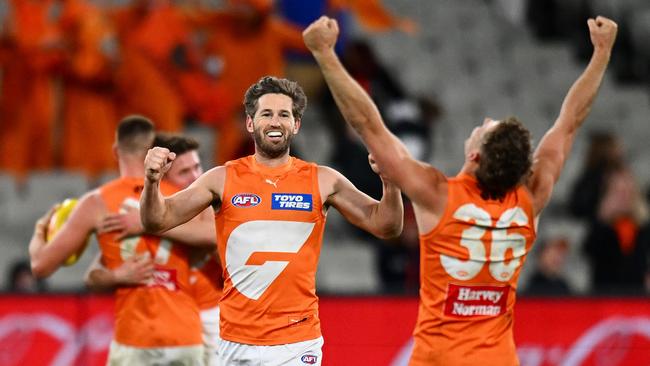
271, 110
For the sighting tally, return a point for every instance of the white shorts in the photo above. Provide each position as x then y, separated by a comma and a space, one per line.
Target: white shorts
211, 339
123, 355
307, 353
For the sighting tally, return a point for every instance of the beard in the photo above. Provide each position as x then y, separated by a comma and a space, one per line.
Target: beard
269, 149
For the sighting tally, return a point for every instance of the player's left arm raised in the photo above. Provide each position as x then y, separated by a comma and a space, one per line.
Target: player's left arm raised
47, 257
383, 219
555, 146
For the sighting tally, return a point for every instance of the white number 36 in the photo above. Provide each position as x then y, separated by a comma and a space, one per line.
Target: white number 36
471, 239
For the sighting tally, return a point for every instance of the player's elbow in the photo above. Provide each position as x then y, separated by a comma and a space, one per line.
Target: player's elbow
390, 231
40, 270
92, 283
151, 224
89, 281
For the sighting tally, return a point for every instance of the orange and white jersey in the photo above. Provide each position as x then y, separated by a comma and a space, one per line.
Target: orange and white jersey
470, 263
269, 235
162, 313
207, 282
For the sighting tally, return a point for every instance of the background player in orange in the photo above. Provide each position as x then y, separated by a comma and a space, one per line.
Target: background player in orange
270, 221
205, 278
476, 228
154, 323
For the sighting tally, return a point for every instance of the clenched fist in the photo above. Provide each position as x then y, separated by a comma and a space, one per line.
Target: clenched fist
602, 32
321, 35
157, 163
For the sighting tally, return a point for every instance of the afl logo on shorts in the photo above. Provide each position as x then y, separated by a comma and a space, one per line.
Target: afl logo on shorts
245, 200
309, 359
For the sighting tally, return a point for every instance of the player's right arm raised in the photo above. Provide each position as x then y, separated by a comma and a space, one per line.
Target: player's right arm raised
159, 213
555, 146
362, 114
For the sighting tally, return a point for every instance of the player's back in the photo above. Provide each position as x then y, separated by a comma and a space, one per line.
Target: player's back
470, 263
161, 313
269, 235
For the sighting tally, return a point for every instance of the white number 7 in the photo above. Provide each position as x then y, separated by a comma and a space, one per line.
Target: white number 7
501, 241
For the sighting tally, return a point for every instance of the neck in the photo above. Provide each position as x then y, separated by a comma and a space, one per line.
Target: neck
131, 168
469, 167
271, 162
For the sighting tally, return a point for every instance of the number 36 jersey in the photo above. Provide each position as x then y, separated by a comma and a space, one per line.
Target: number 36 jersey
269, 234
470, 263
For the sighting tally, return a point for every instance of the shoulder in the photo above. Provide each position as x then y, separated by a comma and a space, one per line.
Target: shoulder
329, 180
327, 175
213, 180
218, 172
91, 203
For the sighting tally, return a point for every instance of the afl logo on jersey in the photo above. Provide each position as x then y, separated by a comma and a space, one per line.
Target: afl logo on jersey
245, 200
309, 359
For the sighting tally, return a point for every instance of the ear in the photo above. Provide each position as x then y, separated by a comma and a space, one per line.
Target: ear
296, 126
249, 124
474, 156
115, 154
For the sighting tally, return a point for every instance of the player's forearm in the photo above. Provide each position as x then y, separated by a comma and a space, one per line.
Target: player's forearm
41, 265
388, 216
100, 279
199, 231
577, 104
36, 261
354, 103
153, 208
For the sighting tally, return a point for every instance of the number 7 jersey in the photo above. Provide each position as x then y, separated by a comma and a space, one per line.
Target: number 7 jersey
269, 234
469, 267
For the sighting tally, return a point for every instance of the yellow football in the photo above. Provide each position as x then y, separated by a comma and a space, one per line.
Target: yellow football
57, 221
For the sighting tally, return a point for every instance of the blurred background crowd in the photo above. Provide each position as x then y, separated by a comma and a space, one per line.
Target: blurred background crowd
70, 69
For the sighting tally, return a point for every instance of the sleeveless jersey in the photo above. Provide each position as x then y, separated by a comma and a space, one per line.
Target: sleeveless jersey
470, 263
269, 235
207, 282
162, 313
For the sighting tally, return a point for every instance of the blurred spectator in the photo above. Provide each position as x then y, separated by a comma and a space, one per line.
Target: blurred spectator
249, 41
168, 33
543, 18
88, 93
618, 241
604, 153
548, 278
148, 33
21, 279
27, 99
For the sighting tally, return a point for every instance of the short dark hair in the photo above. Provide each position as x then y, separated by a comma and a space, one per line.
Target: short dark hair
505, 159
274, 85
135, 134
176, 143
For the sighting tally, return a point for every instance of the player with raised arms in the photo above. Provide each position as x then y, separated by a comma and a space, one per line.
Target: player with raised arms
475, 228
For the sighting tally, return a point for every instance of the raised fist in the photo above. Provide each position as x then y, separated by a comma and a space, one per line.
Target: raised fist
321, 35
157, 163
602, 32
